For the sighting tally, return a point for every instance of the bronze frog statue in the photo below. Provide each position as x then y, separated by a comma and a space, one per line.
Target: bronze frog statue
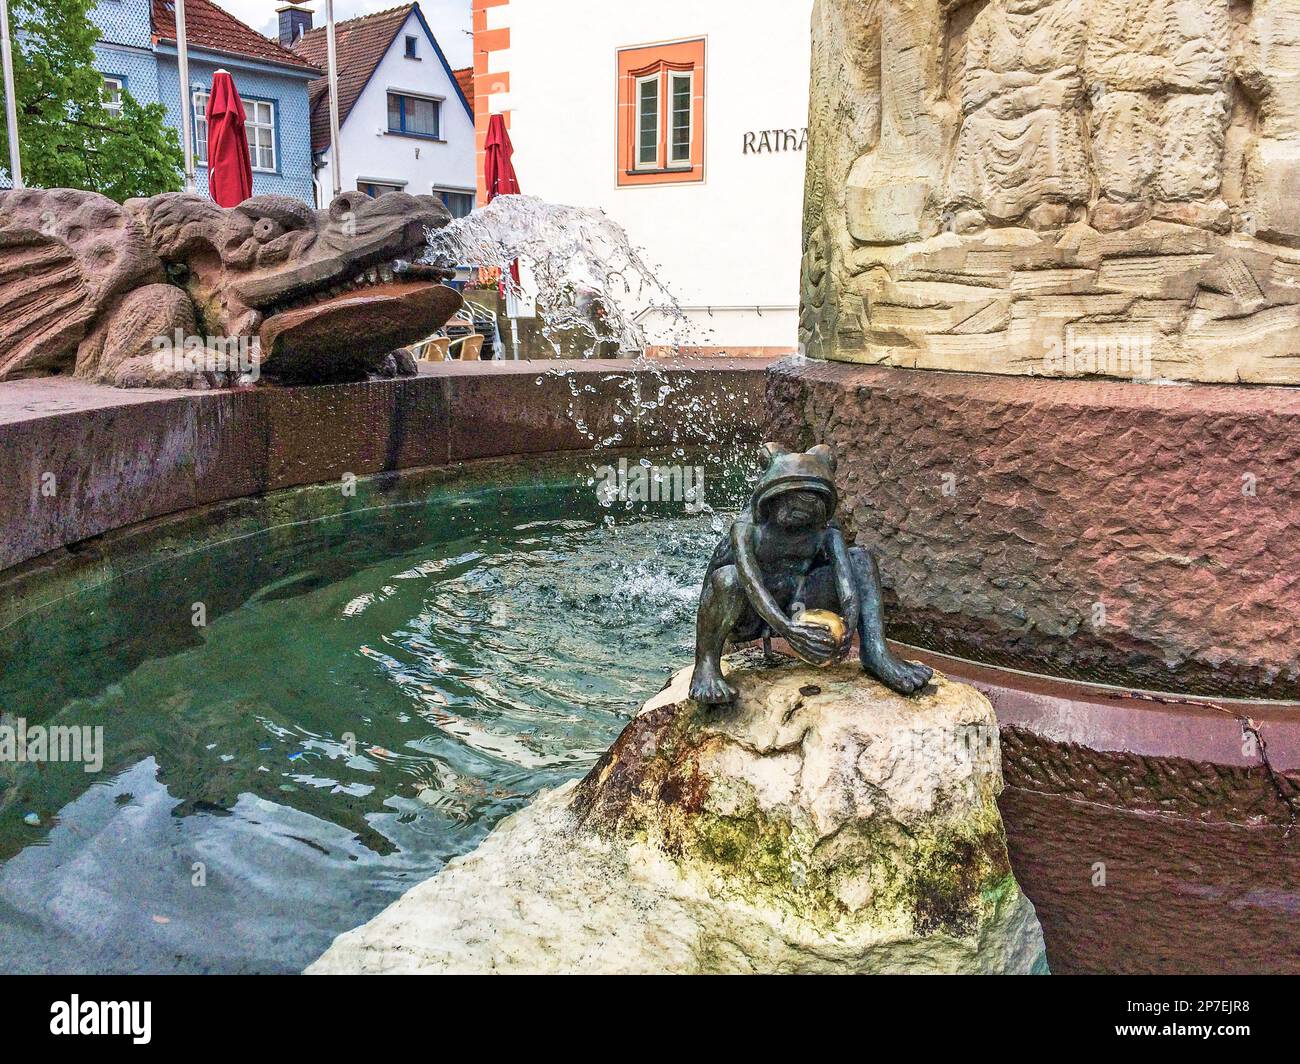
784, 558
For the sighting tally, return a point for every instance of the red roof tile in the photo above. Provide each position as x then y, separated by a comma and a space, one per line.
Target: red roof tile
465, 78
208, 26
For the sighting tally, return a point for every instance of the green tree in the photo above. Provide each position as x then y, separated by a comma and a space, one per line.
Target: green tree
69, 139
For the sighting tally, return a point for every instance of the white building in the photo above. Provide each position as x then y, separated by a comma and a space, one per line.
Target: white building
685, 121
406, 122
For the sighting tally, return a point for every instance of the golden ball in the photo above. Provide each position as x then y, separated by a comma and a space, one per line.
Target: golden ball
832, 622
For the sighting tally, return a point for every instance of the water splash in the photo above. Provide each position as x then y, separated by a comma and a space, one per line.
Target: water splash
592, 287
595, 293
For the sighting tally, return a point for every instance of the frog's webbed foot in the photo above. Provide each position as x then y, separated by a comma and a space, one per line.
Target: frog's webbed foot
897, 674
708, 688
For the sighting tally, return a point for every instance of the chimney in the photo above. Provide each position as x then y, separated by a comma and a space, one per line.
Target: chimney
294, 22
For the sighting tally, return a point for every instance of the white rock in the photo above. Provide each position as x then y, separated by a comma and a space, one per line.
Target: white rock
823, 825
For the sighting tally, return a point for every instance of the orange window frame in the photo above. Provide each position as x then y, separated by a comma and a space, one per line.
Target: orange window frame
663, 60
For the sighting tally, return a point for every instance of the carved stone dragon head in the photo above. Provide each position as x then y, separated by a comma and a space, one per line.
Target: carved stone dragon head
328, 294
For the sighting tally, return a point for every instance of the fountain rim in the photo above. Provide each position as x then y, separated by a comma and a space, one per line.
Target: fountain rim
115, 457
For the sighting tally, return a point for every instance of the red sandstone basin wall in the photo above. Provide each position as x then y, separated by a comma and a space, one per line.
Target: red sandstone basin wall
1133, 534
78, 459
1154, 834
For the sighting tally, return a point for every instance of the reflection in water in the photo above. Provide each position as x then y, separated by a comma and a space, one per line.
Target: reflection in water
371, 694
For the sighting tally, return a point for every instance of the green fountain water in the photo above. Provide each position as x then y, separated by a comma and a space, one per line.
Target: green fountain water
380, 679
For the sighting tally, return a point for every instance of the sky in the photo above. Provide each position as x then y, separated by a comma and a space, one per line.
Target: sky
450, 20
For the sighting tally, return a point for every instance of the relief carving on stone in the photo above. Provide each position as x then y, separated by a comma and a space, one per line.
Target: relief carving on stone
1060, 187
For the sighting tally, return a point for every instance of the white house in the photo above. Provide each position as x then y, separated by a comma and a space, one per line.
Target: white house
685, 121
406, 123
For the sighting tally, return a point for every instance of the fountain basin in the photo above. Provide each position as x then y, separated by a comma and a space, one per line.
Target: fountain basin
1202, 875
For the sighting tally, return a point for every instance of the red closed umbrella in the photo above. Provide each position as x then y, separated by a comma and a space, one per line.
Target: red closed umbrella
498, 171
230, 170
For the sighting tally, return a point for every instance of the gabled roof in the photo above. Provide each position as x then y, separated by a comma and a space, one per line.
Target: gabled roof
360, 45
208, 26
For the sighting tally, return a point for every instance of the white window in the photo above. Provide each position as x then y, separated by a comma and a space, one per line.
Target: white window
416, 116
680, 94
376, 189
647, 122
259, 123
459, 202
201, 128
259, 128
113, 95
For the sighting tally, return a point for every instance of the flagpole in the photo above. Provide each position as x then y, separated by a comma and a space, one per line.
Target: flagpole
11, 101
336, 170
183, 63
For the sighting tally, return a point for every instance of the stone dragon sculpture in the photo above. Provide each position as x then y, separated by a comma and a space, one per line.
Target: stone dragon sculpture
96, 288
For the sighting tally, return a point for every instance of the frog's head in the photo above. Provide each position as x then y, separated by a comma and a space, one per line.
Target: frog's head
797, 488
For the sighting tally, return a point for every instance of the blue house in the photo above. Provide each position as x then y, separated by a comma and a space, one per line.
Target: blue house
137, 52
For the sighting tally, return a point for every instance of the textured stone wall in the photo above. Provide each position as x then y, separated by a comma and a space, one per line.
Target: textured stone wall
1137, 535
1180, 896
1124, 853
78, 460
1056, 187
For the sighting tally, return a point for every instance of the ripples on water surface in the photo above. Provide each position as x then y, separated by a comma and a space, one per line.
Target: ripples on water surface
372, 693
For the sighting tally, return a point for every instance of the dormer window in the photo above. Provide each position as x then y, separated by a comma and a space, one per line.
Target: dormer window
410, 47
